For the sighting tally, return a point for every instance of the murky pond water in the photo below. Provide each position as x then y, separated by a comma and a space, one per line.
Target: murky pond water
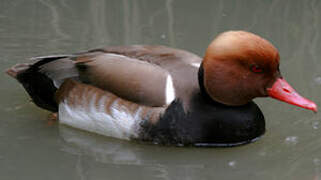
32, 149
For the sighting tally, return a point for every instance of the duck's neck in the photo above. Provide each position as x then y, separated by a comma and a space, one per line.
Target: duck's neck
201, 82
203, 91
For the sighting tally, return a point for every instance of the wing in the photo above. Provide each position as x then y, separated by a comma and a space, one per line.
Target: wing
131, 79
148, 75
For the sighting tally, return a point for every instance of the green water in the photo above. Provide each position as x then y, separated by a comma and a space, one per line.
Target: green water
32, 149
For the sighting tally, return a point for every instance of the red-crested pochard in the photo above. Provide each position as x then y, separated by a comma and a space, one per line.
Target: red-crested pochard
161, 94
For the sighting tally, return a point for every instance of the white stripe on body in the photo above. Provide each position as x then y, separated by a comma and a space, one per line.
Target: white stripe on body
196, 64
170, 90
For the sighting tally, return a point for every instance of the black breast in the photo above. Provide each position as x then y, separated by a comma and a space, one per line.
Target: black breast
207, 124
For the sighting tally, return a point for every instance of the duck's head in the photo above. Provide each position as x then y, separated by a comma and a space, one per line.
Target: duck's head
239, 66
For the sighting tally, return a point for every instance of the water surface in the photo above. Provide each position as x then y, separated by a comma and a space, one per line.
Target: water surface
32, 149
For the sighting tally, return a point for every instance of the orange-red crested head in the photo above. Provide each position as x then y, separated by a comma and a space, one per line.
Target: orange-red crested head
239, 66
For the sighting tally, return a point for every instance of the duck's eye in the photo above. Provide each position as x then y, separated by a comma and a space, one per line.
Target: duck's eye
256, 69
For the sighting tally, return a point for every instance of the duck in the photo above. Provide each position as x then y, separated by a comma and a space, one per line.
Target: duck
163, 95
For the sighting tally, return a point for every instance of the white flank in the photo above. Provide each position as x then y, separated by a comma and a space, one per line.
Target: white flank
170, 90
120, 123
196, 64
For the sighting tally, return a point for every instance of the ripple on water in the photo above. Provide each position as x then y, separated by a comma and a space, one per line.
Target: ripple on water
315, 125
317, 80
291, 140
316, 161
163, 36
262, 153
232, 163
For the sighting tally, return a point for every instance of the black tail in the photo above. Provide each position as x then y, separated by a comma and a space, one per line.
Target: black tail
37, 83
